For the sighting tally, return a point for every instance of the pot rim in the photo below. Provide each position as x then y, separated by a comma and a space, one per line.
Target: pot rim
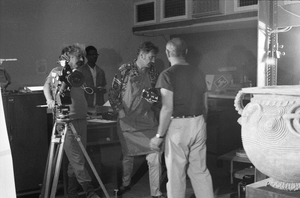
274, 89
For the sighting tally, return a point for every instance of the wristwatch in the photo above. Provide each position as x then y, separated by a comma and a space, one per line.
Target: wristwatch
159, 136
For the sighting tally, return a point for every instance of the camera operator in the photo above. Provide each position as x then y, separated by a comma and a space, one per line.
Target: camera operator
73, 57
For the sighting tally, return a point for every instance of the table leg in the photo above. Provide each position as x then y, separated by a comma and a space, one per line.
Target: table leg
231, 172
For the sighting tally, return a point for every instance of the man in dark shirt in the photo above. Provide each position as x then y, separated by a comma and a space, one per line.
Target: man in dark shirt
94, 79
182, 124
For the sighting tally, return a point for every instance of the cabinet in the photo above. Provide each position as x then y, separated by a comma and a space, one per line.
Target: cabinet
223, 130
169, 17
27, 132
103, 148
101, 133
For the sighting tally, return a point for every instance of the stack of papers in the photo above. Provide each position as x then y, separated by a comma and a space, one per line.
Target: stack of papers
101, 120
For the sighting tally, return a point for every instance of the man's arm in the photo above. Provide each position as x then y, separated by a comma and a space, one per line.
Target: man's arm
205, 100
114, 98
166, 111
101, 81
164, 118
48, 94
8, 78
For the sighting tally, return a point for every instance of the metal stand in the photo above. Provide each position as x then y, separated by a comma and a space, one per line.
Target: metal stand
55, 156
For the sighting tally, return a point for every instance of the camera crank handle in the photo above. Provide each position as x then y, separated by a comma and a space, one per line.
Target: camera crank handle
42, 105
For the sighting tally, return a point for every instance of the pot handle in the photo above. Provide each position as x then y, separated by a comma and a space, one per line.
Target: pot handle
293, 126
291, 116
238, 102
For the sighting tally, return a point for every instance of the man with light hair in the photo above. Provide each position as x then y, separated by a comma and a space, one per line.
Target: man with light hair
77, 172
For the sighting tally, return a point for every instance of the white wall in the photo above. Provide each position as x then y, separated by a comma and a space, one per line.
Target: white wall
35, 31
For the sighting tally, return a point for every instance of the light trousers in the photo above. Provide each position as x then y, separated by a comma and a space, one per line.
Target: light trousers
154, 165
185, 153
74, 153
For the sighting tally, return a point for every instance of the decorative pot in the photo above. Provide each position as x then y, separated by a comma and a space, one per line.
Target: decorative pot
271, 132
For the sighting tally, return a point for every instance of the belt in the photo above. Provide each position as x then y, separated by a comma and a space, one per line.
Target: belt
185, 116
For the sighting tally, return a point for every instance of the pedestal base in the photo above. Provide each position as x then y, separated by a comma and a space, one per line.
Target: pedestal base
261, 190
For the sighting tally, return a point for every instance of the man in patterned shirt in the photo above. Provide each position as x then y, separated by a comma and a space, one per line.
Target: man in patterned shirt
136, 118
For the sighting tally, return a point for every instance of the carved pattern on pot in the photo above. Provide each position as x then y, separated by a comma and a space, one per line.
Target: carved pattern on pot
271, 135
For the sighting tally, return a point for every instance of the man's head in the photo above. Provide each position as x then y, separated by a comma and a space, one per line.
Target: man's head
147, 52
74, 55
91, 55
176, 47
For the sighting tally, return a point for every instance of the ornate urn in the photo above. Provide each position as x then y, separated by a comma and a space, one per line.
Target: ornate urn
271, 132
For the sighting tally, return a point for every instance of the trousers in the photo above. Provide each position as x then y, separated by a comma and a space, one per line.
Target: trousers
76, 167
154, 165
185, 153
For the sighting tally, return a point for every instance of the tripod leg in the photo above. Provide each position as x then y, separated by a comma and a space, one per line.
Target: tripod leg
58, 162
88, 159
48, 171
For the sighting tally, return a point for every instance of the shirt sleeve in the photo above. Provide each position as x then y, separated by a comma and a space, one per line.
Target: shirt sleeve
51, 84
104, 80
164, 81
102, 77
114, 95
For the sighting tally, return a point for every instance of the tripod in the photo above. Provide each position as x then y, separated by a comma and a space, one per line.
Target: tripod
55, 156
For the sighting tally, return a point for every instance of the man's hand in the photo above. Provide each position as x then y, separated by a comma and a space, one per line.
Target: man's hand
156, 144
149, 100
51, 104
101, 89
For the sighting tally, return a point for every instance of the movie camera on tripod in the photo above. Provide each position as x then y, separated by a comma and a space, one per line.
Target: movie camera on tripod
65, 80
68, 78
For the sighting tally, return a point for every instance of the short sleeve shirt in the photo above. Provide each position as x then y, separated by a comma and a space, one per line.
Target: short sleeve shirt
188, 86
78, 107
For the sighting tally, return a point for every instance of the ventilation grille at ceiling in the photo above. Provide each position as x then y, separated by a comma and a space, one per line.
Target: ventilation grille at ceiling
144, 12
173, 9
242, 5
207, 7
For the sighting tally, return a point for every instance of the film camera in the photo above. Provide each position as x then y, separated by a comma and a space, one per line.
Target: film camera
69, 78
152, 95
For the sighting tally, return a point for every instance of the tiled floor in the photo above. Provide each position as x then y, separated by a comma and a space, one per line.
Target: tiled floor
140, 189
